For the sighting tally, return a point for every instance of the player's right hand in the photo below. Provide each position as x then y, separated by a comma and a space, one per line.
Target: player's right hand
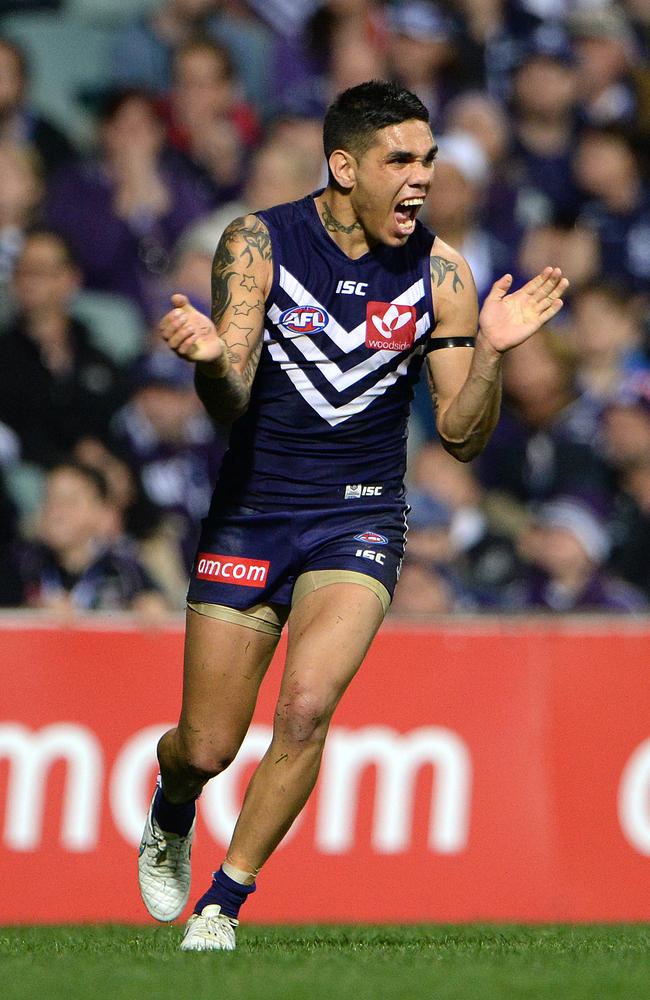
191, 334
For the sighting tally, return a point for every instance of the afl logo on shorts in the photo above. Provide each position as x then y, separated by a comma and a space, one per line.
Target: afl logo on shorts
303, 319
371, 538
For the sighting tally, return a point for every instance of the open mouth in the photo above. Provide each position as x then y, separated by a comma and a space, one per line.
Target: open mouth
405, 213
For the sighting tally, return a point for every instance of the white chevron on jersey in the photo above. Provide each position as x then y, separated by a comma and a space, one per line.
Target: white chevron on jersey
346, 340
342, 380
332, 414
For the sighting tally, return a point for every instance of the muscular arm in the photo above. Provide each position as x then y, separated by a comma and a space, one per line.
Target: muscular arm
227, 347
465, 383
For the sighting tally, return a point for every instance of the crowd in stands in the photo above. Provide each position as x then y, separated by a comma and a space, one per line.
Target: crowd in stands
206, 109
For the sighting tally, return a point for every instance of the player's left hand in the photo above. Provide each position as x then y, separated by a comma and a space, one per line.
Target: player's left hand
509, 318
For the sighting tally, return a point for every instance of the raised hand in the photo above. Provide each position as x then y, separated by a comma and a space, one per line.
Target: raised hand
191, 334
509, 318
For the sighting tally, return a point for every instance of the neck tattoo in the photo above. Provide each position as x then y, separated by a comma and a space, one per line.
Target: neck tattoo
333, 225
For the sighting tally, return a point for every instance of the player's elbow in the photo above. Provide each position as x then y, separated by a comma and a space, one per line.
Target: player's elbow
463, 451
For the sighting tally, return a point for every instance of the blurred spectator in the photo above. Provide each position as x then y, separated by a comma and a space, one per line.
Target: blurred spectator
544, 443
252, 46
20, 194
421, 52
426, 586
429, 523
298, 127
626, 447
606, 51
567, 546
278, 173
11, 589
354, 60
544, 106
145, 47
496, 32
72, 566
165, 435
608, 170
483, 117
55, 386
209, 125
421, 592
20, 124
452, 208
452, 211
285, 18
123, 212
482, 561
572, 247
312, 63
136, 518
607, 339
626, 425
639, 13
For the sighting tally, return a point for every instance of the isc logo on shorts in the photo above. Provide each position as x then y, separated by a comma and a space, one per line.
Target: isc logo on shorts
389, 327
232, 569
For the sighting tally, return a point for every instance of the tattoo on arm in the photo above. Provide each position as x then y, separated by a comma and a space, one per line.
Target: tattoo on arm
251, 365
256, 236
256, 239
333, 225
243, 308
244, 334
440, 267
221, 274
236, 294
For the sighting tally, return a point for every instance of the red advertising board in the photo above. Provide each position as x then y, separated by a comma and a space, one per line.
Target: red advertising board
474, 770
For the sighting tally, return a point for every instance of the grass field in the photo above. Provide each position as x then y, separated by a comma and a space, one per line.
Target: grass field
441, 962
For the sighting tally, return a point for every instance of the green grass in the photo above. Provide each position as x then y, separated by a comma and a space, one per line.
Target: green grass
437, 962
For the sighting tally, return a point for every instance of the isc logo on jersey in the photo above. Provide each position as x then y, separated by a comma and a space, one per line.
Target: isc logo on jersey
389, 327
303, 319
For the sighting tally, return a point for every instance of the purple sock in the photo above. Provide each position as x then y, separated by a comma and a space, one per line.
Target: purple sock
172, 817
230, 895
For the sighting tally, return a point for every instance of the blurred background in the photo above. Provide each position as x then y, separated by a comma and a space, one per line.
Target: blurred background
133, 131
495, 743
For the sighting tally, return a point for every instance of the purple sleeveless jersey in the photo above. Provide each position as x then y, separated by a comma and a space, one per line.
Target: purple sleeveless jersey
344, 343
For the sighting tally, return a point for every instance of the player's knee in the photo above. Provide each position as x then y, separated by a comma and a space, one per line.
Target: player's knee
303, 717
205, 762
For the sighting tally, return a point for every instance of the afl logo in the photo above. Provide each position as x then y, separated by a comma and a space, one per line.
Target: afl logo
371, 538
304, 319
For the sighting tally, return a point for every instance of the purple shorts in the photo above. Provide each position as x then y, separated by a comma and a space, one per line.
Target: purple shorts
247, 557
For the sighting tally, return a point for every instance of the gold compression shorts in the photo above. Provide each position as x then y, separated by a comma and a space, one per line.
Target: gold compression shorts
270, 618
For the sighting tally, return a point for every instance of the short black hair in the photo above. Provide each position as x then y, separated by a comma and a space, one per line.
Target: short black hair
358, 113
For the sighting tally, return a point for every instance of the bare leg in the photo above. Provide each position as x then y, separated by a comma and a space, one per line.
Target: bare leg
330, 631
224, 667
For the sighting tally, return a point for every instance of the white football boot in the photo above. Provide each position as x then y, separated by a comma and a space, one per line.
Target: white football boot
210, 930
164, 869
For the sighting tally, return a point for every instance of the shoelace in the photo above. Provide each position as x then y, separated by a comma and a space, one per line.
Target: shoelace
162, 845
215, 923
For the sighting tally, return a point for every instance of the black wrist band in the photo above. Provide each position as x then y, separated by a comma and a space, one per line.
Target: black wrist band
437, 343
